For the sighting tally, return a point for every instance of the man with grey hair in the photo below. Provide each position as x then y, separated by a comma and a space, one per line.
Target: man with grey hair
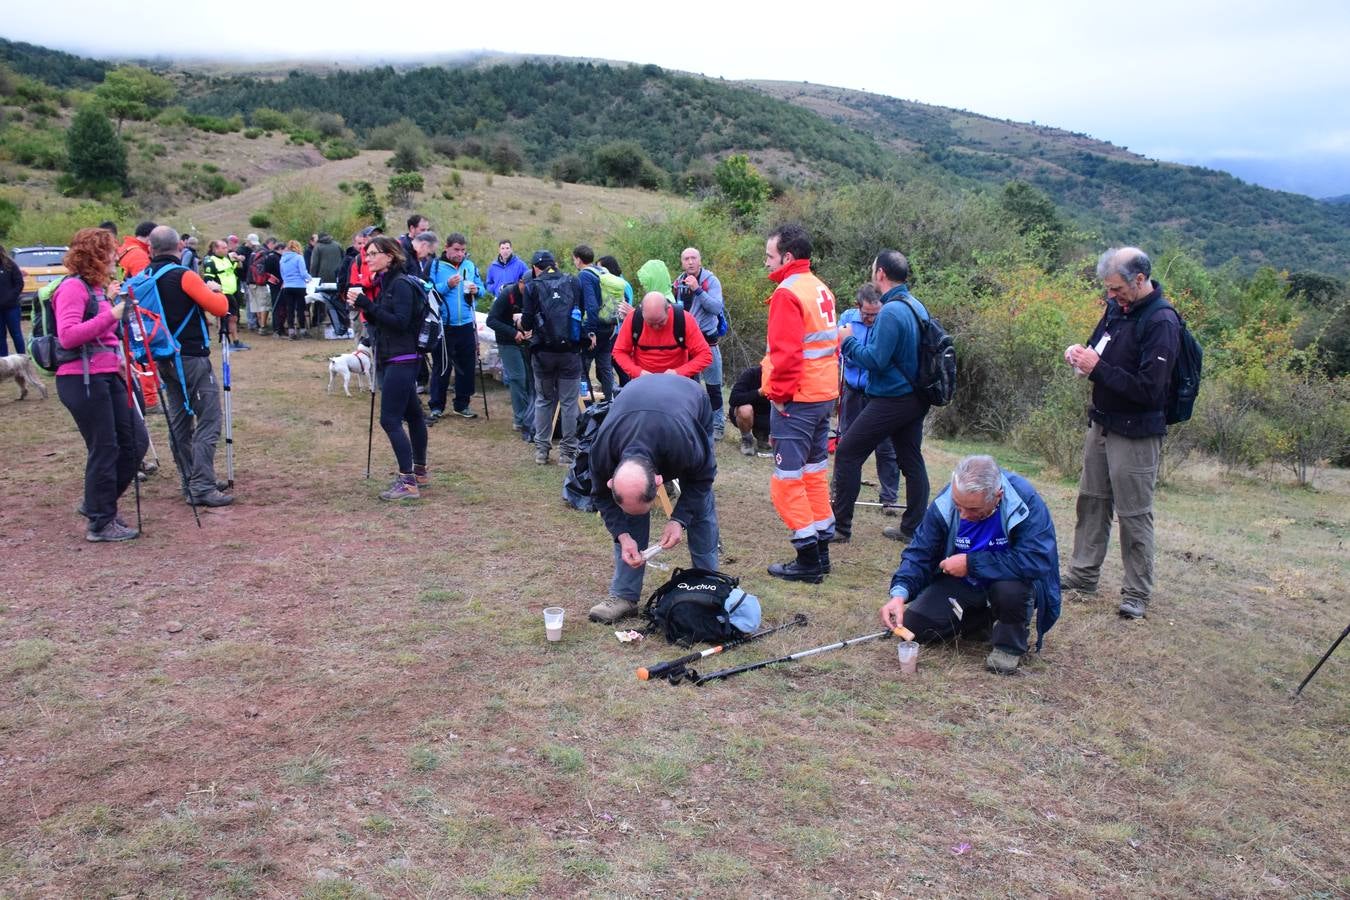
983, 557
700, 293
1129, 360
192, 397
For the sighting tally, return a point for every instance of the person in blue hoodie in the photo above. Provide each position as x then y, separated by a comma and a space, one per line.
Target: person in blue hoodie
456, 279
853, 396
506, 269
984, 557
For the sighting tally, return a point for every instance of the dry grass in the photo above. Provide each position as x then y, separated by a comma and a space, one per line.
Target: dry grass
361, 701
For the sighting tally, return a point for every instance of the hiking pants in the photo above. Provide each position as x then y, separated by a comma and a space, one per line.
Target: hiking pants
557, 377
520, 381
702, 536
1118, 477
115, 447
851, 402
603, 357
712, 381
950, 606
194, 436
290, 310
799, 488
398, 404
901, 420
461, 343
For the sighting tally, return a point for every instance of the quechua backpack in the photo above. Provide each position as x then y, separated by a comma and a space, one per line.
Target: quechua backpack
701, 606
936, 380
1185, 384
150, 336
558, 315
612, 293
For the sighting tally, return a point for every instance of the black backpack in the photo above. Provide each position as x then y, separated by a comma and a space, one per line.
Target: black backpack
43, 345
937, 360
558, 316
1185, 384
577, 484
699, 606
637, 325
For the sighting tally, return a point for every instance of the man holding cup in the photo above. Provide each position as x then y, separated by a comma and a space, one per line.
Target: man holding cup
983, 557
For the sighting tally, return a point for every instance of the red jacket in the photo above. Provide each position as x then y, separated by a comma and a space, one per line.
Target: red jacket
802, 362
657, 351
133, 255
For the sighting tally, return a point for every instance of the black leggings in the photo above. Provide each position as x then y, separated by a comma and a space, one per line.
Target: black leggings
110, 434
399, 404
290, 309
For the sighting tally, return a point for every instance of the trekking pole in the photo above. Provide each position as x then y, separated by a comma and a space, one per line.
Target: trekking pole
674, 669
131, 399
229, 409
370, 430
900, 632
1325, 657
174, 449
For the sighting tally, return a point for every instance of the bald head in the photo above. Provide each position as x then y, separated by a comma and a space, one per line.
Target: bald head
163, 239
634, 485
655, 308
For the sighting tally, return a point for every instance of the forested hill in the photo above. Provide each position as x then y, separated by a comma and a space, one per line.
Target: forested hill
559, 114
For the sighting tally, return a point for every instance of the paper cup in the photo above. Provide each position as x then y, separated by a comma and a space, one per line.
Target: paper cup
553, 622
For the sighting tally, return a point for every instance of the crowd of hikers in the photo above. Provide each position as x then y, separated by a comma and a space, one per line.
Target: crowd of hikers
979, 560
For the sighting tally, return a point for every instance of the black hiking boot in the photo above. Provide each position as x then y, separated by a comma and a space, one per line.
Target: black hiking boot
806, 567
823, 548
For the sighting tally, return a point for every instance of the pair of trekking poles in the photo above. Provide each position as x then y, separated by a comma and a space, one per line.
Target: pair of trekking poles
680, 670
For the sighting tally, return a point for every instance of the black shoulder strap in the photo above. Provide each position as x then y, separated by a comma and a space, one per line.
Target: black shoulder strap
679, 327
636, 325
1147, 313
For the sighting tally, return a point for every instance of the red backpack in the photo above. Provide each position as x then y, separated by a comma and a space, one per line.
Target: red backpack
257, 267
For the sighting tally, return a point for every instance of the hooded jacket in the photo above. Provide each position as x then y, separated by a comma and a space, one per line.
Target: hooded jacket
655, 276
500, 274
325, 260
1032, 554
133, 255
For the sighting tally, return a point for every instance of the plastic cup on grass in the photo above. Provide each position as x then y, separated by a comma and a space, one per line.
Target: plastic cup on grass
553, 622
908, 651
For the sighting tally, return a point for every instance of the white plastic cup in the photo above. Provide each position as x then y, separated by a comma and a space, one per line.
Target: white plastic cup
553, 622
908, 652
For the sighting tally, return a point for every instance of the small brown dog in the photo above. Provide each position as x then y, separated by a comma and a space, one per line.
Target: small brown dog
20, 367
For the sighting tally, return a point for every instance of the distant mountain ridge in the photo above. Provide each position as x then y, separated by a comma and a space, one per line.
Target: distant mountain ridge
557, 114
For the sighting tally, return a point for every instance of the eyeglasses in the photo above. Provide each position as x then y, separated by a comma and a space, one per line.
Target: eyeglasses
373, 251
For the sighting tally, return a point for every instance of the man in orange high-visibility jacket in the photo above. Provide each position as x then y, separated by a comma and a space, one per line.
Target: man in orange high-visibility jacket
801, 380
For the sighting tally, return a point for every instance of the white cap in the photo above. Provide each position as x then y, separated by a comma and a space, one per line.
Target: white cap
253, 239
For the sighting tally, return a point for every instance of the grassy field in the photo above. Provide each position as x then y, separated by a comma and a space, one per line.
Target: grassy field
319, 695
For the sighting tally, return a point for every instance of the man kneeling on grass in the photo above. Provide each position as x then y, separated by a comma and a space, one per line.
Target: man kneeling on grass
659, 428
983, 556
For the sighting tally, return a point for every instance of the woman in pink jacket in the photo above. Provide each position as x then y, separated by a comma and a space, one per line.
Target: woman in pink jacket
90, 383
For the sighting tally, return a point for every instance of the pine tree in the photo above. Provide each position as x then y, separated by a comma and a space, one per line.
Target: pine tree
95, 155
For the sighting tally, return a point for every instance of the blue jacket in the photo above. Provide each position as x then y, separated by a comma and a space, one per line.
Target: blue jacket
294, 274
501, 275
855, 376
891, 354
705, 303
456, 308
1032, 553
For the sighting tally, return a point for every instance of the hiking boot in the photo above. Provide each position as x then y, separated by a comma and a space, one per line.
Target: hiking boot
239, 345
404, 487
747, 445
222, 485
764, 450
806, 567
290, 333
890, 510
567, 460
719, 433
823, 548
118, 518
434, 415
149, 467
612, 610
898, 533
1077, 586
841, 537
421, 476
112, 532
212, 499
527, 435
541, 456
466, 413
1132, 608
1001, 662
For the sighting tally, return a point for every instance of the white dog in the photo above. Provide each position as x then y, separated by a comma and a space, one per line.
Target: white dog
357, 362
19, 367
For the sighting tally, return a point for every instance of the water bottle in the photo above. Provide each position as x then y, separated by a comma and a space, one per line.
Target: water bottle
585, 388
136, 334
576, 325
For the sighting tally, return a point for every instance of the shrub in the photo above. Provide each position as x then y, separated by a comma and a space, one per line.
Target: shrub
1054, 429
620, 163
407, 157
368, 208
388, 137
260, 220
456, 179
402, 186
329, 125
339, 149
270, 119
43, 149
306, 210
210, 167
253, 133
9, 217
505, 157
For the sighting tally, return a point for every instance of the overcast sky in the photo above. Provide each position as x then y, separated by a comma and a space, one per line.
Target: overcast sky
1262, 86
